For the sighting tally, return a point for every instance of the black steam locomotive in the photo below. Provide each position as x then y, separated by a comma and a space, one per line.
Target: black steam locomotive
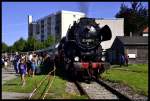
80, 51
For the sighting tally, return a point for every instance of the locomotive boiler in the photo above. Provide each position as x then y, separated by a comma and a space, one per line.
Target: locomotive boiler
80, 51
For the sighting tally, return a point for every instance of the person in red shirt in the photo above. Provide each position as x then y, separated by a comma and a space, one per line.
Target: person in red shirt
126, 59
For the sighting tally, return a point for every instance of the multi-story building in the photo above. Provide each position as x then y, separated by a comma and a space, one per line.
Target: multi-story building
57, 24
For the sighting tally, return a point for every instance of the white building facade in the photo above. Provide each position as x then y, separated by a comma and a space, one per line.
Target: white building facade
56, 24
116, 26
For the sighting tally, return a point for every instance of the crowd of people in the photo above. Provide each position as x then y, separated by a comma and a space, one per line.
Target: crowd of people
5, 61
28, 64
35, 63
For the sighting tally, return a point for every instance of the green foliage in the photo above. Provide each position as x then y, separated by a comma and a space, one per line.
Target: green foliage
4, 47
135, 18
135, 77
49, 41
19, 45
14, 85
10, 49
31, 44
38, 45
134, 68
57, 37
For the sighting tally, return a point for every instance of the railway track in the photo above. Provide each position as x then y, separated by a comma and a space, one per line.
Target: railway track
97, 89
47, 86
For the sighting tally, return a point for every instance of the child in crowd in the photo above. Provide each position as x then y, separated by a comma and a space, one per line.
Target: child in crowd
22, 70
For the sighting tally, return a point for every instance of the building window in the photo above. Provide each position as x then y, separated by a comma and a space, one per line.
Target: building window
42, 37
145, 34
37, 29
48, 33
30, 30
58, 27
132, 53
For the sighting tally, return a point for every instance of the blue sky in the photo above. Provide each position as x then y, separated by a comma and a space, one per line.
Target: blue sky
15, 21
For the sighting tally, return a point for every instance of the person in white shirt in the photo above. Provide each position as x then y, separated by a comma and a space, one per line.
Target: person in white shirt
30, 57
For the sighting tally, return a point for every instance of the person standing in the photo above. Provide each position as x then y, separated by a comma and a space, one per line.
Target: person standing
5, 63
28, 63
126, 59
18, 62
22, 70
2, 63
121, 59
46, 64
15, 63
33, 66
30, 57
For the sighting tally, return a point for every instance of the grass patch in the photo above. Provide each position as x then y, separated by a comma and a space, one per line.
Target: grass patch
57, 90
15, 85
137, 81
133, 67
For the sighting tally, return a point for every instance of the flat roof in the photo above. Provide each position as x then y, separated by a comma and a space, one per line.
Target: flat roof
134, 40
73, 12
109, 18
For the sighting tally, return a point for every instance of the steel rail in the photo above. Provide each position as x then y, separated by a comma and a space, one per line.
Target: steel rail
41, 83
81, 90
112, 90
49, 85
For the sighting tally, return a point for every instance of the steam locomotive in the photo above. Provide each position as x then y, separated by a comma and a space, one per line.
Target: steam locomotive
80, 51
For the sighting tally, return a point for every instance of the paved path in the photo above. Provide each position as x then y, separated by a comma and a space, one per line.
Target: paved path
8, 74
14, 95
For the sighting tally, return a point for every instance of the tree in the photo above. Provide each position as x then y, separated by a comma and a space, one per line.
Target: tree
135, 18
30, 44
4, 47
10, 49
19, 45
49, 41
38, 45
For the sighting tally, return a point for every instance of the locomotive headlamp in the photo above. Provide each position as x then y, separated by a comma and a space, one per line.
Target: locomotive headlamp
92, 29
76, 58
103, 58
